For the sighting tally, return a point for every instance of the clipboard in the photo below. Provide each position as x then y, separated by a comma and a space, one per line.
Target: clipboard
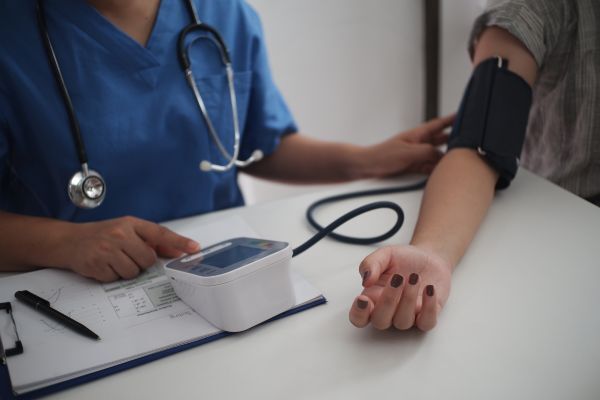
6, 389
307, 297
121, 313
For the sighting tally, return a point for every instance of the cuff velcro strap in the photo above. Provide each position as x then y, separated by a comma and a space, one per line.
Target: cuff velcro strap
492, 117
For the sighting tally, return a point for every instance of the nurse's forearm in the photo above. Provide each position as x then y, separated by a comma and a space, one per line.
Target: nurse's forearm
27, 242
301, 159
452, 208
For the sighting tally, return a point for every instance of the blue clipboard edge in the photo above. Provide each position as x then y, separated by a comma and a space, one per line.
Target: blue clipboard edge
146, 359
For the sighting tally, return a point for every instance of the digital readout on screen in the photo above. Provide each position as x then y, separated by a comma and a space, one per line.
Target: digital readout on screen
231, 256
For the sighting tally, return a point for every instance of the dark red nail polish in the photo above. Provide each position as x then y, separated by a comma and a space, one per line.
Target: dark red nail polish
429, 290
413, 279
366, 276
362, 304
396, 280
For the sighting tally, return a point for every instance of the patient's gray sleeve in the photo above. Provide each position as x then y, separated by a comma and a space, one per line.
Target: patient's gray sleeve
538, 24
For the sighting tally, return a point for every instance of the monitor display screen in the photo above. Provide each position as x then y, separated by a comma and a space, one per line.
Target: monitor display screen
231, 256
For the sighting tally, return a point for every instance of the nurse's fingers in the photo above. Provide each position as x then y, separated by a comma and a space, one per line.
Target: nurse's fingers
405, 312
424, 153
124, 266
164, 238
142, 255
105, 273
360, 311
383, 313
428, 132
168, 252
440, 123
439, 138
427, 318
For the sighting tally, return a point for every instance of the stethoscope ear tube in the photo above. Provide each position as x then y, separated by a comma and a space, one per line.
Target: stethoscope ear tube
182, 53
215, 38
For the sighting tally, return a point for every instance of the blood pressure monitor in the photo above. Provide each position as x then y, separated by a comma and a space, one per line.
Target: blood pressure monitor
239, 283
235, 284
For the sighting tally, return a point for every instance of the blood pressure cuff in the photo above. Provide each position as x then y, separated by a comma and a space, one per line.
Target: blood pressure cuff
492, 117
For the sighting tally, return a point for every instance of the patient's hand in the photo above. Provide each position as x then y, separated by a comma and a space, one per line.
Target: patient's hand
404, 286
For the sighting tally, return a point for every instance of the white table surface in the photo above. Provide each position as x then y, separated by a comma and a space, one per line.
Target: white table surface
522, 321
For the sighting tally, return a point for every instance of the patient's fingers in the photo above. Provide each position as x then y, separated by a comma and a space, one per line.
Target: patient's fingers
361, 311
427, 318
405, 313
375, 265
383, 312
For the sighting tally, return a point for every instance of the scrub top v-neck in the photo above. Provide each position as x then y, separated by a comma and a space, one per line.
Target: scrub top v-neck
141, 126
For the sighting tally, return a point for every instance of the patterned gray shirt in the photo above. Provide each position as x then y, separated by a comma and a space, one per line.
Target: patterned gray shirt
562, 142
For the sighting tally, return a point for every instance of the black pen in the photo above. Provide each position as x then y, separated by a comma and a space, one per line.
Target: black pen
43, 306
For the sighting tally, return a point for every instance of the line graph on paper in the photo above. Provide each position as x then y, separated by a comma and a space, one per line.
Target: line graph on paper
79, 302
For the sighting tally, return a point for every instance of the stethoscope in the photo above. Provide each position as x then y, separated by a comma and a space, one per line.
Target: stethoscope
87, 188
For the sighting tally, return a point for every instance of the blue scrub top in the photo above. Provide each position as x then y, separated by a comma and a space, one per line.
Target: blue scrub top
140, 123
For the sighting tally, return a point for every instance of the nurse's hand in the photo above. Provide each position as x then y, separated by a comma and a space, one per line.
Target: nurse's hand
404, 286
415, 150
122, 247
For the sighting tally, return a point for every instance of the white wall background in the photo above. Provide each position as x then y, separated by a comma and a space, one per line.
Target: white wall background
353, 70
457, 19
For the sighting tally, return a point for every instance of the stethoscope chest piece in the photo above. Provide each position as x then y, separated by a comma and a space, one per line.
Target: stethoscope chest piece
87, 189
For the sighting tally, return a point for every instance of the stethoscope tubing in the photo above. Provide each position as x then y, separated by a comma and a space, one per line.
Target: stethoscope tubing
62, 86
211, 34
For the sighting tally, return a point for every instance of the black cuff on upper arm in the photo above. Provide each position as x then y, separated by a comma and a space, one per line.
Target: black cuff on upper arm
493, 117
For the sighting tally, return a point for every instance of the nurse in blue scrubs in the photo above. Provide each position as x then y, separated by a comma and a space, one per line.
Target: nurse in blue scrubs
143, 131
